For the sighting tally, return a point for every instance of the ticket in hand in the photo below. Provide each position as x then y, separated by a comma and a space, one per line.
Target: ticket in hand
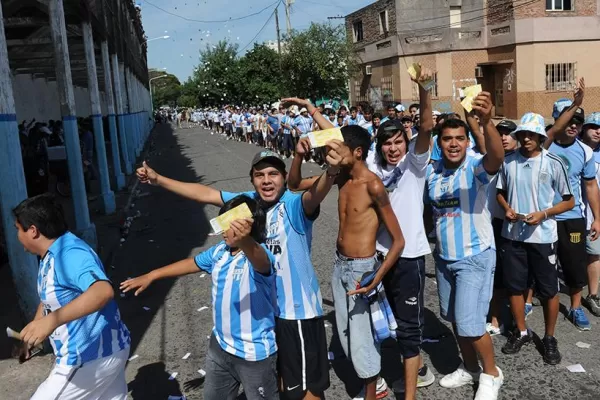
415, 72
470, 93
320, 138
223, 221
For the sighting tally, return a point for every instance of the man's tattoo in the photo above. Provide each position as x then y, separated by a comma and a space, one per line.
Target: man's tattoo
382, 199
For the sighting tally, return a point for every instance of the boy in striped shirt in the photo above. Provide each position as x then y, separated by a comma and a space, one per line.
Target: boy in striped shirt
77, 311
465, 256
242, 346
530, 180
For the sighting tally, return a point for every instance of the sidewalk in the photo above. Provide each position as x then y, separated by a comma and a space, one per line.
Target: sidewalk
21, 381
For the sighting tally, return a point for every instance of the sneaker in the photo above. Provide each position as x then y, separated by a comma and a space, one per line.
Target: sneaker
382, 388
460, 377
515, 342
592, 302
425, 377
492, 330
551, 354
578, 318
489, 386
528, 310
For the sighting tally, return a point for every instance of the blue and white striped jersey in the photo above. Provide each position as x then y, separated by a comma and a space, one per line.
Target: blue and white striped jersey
304, 124
532, 184
287, 120
289, 238
579, 160
589, 213
244, 303
67, 270
459, 201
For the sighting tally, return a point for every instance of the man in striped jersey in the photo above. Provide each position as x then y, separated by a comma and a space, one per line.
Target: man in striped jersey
529, 182
242, 346
77, 311
300, 329
465, 256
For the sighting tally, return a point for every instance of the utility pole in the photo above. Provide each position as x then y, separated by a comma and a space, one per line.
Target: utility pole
288, 4
278, 39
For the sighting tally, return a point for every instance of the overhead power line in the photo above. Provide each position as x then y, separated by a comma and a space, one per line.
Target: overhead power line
259, 32
213, 21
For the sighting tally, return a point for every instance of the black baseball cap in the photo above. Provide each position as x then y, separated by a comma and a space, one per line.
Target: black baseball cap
579, 114
507, 124
406, 118
392, 126
271, 156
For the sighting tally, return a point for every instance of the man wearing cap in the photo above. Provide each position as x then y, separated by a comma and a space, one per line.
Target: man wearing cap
579, 159
407, 123
590, 135
300, 330
400, 110
529, 184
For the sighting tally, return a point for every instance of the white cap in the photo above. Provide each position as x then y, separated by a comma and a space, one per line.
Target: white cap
436, 112
303, 110
45, 130
400, 108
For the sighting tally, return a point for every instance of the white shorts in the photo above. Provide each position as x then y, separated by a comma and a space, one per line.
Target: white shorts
102, 379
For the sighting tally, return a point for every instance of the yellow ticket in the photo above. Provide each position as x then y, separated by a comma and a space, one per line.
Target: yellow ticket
470, 93
223, 221
320, 138
415, 73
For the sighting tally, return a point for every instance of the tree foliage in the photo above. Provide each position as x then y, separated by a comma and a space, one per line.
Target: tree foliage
315, 63
165, 91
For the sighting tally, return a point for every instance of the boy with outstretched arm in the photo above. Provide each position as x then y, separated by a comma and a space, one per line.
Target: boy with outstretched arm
242, 347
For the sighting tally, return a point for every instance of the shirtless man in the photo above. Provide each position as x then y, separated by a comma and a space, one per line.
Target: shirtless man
363, 205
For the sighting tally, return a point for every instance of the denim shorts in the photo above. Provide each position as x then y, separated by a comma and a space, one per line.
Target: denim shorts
352, 315
465, 290
592, 248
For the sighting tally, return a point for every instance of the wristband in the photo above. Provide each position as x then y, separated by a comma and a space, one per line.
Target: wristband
545, 214
333, 175
314, 111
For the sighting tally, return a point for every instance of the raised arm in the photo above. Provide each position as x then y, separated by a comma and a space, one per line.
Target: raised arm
312, 110
492, 161
563, 121
426, 112
384, 209
475, 129
193, 191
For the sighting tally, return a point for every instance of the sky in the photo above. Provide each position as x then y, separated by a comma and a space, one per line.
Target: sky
179, 54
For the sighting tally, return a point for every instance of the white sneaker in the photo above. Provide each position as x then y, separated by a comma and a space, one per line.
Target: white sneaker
382, 388
492, 330
489, 386
459, 378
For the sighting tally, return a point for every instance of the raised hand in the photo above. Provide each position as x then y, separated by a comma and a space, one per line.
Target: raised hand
145, 174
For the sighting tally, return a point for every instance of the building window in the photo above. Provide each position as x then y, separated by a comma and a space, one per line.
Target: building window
387, 90
561, 77
383, 22
433, 90
455, 20
357, 29
559, 5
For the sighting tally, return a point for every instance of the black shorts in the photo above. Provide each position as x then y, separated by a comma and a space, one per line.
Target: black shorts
404, 288
524, 260
497, 224
572, 253
302, 356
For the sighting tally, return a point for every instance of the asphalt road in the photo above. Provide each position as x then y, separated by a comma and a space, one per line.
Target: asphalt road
171, 228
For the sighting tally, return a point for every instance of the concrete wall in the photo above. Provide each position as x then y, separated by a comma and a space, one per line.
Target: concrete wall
38, 98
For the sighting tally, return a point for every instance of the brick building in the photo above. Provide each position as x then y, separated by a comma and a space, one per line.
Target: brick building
527, 53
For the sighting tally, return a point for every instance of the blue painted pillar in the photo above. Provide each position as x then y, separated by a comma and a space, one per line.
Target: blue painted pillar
120, 113
13, 190
127, 109
83, 226
107, 197
119, 178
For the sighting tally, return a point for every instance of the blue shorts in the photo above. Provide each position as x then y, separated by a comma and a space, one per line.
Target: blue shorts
353, 315
465, 290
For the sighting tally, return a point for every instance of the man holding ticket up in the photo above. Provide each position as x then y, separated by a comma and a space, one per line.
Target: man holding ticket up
241, 350
300, 328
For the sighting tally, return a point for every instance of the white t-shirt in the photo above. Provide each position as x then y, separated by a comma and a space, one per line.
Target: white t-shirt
405, 184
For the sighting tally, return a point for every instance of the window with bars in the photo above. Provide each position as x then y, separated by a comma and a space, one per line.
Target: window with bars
559, 5
433, 90
358, 95
561, 76
387, 90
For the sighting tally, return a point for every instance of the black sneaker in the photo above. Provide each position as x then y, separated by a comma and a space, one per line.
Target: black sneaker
515, 342
551, 354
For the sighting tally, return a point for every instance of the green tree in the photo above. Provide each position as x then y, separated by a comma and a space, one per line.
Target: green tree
165, 91
261, 75
318, 62
217, 79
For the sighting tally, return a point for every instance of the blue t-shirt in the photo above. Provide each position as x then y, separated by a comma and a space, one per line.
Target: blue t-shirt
289, 237
244, 303
579, 160
273, 122
67, 270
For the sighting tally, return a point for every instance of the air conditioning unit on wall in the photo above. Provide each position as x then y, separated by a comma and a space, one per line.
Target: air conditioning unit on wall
478, 72
368, 70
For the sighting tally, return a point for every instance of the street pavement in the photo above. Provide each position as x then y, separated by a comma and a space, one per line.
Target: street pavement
169, 320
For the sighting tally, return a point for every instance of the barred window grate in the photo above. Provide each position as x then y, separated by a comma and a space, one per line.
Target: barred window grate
561, 77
